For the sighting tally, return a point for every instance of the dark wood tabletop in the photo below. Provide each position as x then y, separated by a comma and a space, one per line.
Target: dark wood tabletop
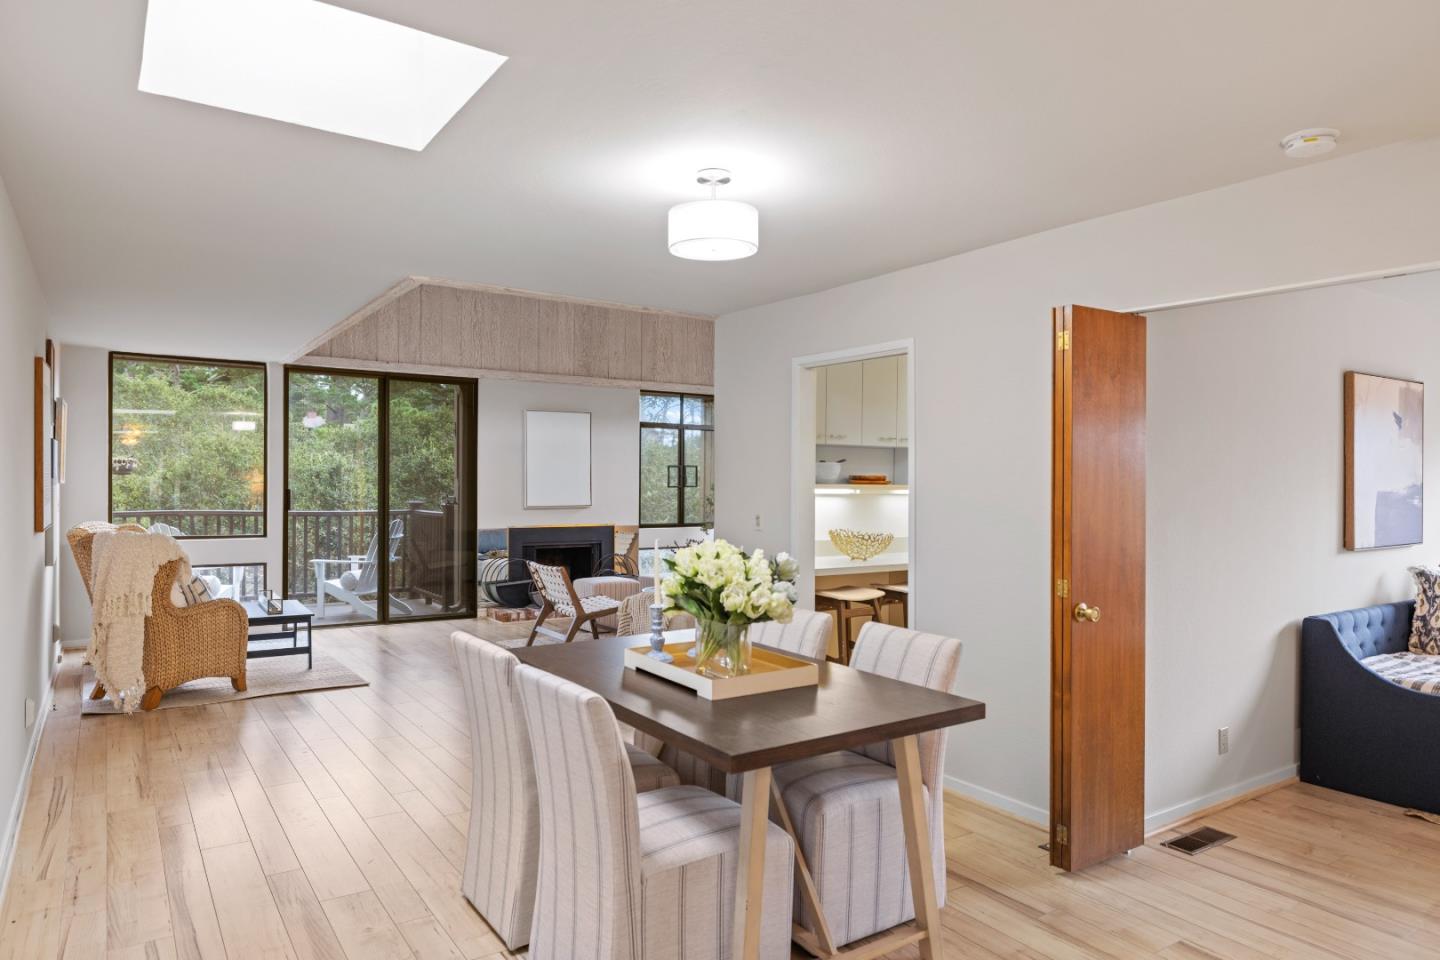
849, 708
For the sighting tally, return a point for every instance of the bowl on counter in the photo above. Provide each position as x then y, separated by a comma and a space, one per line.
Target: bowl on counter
828, 471
859, 545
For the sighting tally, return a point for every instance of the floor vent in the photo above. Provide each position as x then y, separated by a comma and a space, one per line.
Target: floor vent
1198, 841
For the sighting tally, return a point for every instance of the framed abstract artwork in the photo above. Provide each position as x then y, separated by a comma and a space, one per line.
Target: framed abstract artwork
1384, 462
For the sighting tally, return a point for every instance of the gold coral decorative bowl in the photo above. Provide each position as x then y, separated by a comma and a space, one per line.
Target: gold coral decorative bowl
858, 545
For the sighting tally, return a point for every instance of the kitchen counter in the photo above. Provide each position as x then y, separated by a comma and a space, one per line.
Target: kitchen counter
837, 565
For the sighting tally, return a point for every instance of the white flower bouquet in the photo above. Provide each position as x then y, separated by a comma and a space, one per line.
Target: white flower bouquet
725, 591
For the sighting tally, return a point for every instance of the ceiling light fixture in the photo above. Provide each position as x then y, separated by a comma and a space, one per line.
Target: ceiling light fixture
312, 64
714, 229
1303, 144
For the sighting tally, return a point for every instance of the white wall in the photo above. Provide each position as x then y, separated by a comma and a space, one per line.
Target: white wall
25, 643
1245, 523
614, 450
981, 326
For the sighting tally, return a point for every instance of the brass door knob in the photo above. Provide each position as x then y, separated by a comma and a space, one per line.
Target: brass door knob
1084, 612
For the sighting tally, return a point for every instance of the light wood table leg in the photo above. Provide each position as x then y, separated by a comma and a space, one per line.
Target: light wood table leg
750, 876
817, 941
917, 846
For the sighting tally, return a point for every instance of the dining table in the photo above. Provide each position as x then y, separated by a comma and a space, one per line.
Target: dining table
749, 735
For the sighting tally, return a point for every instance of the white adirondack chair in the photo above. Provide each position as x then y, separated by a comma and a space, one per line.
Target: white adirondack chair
359, 577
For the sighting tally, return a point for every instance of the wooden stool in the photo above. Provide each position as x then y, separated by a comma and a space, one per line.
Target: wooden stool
896, 593
849, 603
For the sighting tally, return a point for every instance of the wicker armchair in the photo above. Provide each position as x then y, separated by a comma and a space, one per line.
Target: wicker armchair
181, 643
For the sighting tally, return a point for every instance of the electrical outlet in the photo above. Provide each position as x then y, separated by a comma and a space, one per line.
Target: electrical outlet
1224, 740
29, 713
757, 521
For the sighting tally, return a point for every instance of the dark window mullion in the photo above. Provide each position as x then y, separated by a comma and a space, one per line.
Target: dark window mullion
680, 458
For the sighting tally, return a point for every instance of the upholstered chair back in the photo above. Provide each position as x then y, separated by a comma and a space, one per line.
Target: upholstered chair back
504, 837
927, 660
924, 659
805, 635
587, 903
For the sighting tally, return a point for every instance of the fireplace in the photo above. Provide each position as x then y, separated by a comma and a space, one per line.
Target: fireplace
577, 549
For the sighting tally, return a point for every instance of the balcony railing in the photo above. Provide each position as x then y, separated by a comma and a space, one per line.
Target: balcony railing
199, 523
422, 566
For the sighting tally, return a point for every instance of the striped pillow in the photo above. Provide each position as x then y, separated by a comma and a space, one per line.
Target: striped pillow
189, 590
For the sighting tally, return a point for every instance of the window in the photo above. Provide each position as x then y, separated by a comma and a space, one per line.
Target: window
677, 460
187, 445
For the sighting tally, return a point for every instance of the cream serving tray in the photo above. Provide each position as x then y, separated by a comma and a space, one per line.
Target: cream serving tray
770, 670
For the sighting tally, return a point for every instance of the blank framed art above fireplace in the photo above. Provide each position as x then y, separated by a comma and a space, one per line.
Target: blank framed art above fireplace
557, 459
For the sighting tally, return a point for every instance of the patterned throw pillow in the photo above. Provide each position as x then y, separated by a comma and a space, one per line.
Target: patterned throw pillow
194, 590
1425, 628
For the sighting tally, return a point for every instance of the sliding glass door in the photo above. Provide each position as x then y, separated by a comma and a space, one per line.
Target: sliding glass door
430, 468
379, 475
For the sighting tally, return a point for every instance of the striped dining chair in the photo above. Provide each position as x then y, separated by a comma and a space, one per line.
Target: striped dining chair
503, 845
845, 806
806, 635
633, 877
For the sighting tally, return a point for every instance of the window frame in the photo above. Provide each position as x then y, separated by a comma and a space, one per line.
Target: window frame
264, 369
679, 428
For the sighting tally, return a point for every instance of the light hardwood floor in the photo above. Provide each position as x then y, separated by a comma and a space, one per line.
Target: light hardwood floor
331, 825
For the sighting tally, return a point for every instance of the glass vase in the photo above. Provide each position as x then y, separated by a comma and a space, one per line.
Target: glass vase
721, 649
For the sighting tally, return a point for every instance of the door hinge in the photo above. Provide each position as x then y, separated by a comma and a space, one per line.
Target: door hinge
1062, 588
1062, 834
1062, 340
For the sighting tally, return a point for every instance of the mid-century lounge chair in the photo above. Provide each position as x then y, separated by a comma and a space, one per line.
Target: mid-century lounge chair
356, 580
558, 596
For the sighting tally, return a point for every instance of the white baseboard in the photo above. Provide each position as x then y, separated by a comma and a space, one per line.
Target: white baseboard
1163, 818
1154, 821
22, 789
1017, 808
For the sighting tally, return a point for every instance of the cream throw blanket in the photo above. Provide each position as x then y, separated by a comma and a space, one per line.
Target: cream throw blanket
122, 573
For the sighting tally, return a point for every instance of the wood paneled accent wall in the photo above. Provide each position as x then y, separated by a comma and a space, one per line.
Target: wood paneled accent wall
425, 324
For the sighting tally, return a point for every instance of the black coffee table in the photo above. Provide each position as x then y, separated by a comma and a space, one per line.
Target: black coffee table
287, 626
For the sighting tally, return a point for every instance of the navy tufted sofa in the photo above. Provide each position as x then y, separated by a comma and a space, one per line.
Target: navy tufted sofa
1360, 733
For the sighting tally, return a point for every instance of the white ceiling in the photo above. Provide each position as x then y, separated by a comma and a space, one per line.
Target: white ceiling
871, 134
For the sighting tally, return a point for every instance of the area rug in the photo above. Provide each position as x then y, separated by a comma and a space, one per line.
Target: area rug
263, 678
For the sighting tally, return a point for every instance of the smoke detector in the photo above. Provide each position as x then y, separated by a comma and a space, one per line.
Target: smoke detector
1304, 144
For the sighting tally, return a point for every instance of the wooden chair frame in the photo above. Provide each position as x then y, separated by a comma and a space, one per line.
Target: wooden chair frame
548, 605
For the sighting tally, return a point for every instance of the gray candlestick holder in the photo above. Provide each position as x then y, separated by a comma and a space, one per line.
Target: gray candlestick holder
657, 634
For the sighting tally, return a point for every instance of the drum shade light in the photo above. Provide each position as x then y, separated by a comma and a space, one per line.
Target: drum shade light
714, 229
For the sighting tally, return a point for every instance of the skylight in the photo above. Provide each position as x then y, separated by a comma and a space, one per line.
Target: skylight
312, 64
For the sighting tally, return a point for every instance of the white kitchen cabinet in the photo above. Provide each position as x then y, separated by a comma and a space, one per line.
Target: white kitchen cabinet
902, 401
843, 403
820, 418
879, 382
